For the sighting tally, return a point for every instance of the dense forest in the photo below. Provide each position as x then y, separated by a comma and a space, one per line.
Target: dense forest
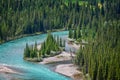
95, 21
51, 46
99, 59
18, 17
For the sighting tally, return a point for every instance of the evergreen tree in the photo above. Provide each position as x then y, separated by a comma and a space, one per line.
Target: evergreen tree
61, 44
70, 33
64, 43
26, 51
35, 50
58, 40
78, 32
75, 34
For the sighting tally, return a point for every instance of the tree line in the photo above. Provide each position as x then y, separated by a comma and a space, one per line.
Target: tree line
99, 59
19, 17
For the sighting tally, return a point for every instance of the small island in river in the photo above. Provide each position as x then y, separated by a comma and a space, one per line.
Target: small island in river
51, 52
50, 47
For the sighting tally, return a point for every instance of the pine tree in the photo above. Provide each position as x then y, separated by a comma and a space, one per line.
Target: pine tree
58, 40
75, 34
61, 44
64, 43
70, 33
26, 51
78, 32
35, 50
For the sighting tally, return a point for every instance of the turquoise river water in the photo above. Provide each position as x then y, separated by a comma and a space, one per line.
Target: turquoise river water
11, 54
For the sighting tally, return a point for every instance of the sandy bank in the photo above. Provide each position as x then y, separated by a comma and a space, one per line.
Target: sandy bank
64, 56
69, 70
5, 69
39, 46
62, 63
76, 46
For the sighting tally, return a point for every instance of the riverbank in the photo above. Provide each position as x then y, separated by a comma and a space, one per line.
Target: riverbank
63, 56
25, 35
7, 69
12, 52
63, 64
69, 70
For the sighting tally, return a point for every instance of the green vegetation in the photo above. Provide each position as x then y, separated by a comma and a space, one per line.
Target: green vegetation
100, 28
75, 34
80, 2
100, 57
50, 47
20, 17
31, 53
95, 21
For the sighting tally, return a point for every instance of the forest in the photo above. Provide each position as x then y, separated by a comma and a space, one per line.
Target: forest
99, 59
19, 17
95, 21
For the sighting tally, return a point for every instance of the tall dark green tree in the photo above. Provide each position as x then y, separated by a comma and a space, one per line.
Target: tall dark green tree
75, 34
78, 32
70, 33
26, 51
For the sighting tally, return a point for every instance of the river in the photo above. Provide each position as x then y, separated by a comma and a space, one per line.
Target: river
11, 54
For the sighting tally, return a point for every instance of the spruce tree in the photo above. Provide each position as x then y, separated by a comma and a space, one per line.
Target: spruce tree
35, 50
61, 44
75, 34
26, 51
70, 33
78, 32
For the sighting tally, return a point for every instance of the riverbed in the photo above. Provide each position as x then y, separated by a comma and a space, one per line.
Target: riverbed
11, 54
